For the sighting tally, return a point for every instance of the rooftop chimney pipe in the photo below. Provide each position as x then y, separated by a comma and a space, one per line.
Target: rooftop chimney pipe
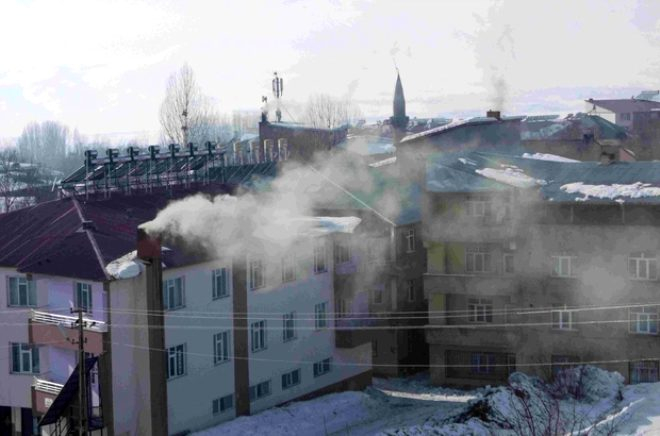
494, 114
148, 247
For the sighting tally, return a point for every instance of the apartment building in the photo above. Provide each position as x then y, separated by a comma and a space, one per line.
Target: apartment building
537, 265
240, 334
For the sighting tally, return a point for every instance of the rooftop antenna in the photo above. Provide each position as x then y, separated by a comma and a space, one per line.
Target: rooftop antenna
278, 89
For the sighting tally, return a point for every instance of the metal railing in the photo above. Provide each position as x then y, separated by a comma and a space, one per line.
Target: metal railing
47, 386
68, 321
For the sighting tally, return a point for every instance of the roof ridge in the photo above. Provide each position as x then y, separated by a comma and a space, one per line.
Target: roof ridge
91, 238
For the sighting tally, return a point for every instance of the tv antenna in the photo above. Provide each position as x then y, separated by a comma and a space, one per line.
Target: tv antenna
278, 89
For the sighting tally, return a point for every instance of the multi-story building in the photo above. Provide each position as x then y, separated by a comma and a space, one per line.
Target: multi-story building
537, 265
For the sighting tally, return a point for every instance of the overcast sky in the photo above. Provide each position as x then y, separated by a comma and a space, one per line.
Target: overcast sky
101, 66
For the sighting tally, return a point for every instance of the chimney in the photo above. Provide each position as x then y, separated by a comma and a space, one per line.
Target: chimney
148, 247
494, 114
88, 225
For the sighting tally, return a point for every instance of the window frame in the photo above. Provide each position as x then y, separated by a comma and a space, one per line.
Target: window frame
342, 251
24, 351
409, 236
321, 315
651, 315
178, 355
260, 390
288, 381
479, 367
412, 295
505, 264
221, 347
478, 252
259, 330
558, 319
558, 265
377, 295
638, 258
256, 273
289, 268
322, 367
218, 405
289, 325
30, 291
480, 310
217, 295
648, 366
167, 293
320, 256
478, 207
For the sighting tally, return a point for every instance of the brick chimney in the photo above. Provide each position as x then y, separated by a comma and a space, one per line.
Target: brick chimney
494, 114
148, 247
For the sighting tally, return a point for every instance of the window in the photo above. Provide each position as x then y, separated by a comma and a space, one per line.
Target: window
411, 290
482, 363
377, 295
84, 296
223, 404
625, 116
478, 207
321, 316
644, 320
374, 348
260, 390
24, 359
342, 252
256, 273
562, 319
176, 361
221, 347
283, 148
173, 294
319, 256
342, 307
643, 266
477, 259
563, 266
480, 310
220, 283
288, 268
322, 367
288, 326
22, 292
507, 263
290, 379
644, 371
410, 240
258, 334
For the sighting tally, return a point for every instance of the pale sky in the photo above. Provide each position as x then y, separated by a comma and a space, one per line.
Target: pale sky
101, 66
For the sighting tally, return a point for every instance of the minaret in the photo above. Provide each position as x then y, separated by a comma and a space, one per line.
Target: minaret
399, 119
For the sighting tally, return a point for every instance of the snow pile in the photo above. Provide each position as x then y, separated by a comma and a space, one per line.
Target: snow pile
611, 192
527, 405
325, 224
510, 176
547, 156
124, 267
382, 163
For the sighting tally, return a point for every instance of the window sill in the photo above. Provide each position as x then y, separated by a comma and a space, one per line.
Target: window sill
637, 279
32, 374
557, 329
221, 297
321, 272
258, 350
222, 362
174, 309
284, 341
176, 377
643, 334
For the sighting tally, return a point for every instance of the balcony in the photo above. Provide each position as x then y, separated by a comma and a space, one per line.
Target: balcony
479, 336
62, 331
471, 230
484, 285
44, 393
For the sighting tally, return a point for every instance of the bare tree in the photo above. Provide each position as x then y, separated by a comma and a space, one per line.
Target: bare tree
44, 143
9, 181
186, 114
325, 111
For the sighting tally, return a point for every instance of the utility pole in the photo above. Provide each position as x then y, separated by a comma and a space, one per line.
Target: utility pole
83, 427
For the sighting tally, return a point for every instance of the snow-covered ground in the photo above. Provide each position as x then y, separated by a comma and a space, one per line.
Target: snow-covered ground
594, 402
388, 405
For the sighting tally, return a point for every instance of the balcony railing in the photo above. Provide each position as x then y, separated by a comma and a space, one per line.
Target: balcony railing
68, 321
46, 386
44, 393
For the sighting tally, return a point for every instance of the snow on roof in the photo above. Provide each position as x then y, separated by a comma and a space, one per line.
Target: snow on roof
380, 163
124, 267
546, 156
611, 192
511, 176
321, 225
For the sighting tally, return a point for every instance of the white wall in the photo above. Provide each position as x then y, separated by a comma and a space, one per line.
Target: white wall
190, 396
